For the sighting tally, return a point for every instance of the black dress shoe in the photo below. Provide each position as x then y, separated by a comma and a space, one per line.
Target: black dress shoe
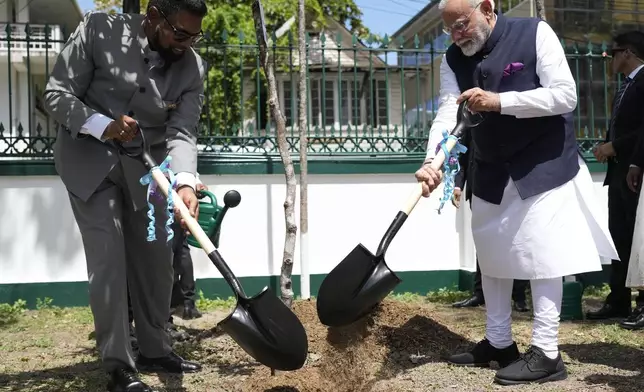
471, 302
636, 312
172, 363
126, 380
608, 311
533, 367
484, 353
633, 322
190, 311
520, 306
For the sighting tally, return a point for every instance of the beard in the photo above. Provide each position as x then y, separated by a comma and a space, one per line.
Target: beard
169, 55
471, 46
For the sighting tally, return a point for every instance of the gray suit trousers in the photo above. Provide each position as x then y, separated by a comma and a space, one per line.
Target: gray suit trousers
116, 249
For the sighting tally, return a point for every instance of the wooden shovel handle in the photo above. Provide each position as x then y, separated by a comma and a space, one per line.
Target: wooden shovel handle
193, 225
436, 164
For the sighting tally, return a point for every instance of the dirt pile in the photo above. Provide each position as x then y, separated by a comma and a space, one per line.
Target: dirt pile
395, 337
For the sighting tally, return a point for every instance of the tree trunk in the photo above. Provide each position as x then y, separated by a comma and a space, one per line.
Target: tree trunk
286, 284
304, 201
541, 9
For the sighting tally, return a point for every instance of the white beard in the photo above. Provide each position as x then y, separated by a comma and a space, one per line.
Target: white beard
473, 45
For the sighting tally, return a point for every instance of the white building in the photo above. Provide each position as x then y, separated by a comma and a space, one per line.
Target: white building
32, 33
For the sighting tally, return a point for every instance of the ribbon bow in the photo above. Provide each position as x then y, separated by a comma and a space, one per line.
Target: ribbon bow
451, 166
152, 186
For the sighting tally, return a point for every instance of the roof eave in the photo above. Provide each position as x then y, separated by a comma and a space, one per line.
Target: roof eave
423, 13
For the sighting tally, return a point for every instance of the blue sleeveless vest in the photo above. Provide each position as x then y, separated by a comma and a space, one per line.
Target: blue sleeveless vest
539, 153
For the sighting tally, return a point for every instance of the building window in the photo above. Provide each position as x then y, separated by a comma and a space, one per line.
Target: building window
341, 104
290, 102
350, 98
322, 103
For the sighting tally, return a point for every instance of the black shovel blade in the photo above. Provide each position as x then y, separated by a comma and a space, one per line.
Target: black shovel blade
268, 331
354, 287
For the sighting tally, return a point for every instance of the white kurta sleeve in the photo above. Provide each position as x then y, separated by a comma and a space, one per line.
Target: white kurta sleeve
447, 108
558, 94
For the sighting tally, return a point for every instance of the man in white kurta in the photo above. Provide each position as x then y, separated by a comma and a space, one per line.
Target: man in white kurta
530, 219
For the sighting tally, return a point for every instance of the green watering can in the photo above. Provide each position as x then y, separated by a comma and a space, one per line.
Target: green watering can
211, 215
571, 304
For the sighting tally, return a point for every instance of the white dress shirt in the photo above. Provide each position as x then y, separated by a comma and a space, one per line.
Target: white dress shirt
558, 94
633, 74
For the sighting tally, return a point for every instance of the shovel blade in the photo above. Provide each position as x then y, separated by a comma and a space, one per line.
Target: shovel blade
354, 287
268, 331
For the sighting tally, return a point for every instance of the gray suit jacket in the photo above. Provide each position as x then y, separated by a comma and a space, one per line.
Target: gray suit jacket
107, 67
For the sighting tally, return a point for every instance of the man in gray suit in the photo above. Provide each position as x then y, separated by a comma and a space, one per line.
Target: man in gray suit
119, 75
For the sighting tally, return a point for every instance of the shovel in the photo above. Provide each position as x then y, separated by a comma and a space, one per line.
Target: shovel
262, 325
356, 285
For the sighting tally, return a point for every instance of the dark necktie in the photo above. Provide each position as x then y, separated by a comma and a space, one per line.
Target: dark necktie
616, 103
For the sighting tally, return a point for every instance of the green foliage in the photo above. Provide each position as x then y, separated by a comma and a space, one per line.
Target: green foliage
45, 303
9, 313
597, 291
446, 295
207, 304
114, 5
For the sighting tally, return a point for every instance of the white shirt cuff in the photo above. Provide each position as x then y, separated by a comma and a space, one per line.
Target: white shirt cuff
186, 178
631, 165
96, 125
198, 179
508, 102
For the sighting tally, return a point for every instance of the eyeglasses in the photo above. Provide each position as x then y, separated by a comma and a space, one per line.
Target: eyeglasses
461, 25
182, 35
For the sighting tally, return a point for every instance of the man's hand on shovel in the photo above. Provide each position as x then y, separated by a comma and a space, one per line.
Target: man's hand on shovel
189, 198
429, 178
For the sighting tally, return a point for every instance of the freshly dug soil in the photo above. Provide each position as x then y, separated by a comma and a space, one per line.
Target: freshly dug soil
395, 337
399, 348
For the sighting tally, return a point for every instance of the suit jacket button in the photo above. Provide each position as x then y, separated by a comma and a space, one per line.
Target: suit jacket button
141, 89
146, 60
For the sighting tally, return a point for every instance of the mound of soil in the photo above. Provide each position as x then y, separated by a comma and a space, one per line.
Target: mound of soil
395, 337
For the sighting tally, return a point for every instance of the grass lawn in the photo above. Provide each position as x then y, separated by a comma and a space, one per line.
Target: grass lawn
400, 348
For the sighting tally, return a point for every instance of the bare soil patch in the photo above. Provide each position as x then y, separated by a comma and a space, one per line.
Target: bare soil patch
400, 347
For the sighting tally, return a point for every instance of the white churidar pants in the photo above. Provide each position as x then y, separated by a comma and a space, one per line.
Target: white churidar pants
542, 238
546, 302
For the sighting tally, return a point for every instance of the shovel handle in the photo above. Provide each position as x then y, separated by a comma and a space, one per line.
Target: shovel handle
436, 164
193, 225
198, 233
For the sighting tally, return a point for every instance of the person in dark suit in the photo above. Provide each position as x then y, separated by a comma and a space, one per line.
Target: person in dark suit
466, 161
626, 127
184, 289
